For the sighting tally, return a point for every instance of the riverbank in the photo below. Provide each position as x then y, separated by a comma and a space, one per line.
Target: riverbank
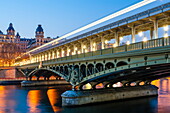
11, 82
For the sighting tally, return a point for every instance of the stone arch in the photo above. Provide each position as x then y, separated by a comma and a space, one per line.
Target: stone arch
109, 65
99, 67
121, 63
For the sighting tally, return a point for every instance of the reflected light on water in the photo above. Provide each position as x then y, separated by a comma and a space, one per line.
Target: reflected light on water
164, 94
33, 100
53, 98
5, 101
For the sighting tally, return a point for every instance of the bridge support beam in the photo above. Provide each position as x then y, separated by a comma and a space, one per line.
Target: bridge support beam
74, 98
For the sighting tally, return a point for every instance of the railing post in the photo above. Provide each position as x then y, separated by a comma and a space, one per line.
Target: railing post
125, 47
142, 45
163, 42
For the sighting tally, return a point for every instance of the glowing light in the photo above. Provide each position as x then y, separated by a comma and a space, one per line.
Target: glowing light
84, 46
106, 41
121, 12
128, 42
145, 39
94, 44
79, 52
114, 45
166, 35
69, 50
121, 38
76, 48
166, 28
73, 53
140, 33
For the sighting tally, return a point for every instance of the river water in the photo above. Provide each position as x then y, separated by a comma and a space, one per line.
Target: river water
16, 99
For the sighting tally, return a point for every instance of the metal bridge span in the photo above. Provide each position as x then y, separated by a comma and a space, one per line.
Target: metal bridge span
132, 50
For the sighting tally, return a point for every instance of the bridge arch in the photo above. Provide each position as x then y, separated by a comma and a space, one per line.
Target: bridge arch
121, 63
99, 67
90, 69
109, 65
46, 73
61, 69
57, 68
83, 70
66, 70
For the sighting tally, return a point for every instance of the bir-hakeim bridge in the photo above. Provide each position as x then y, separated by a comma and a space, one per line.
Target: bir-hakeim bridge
133, 52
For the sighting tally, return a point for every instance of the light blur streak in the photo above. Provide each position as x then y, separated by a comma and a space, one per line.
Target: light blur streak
123, 11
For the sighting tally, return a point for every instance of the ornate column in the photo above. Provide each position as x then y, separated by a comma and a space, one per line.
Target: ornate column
91, 44
68, 51
151, 33
133, 33
117, 41
102, 42
82, 47
155, 27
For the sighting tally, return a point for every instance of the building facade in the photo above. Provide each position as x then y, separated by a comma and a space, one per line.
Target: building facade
12, 44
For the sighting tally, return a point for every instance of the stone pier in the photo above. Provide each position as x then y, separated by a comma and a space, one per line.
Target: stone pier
77, 97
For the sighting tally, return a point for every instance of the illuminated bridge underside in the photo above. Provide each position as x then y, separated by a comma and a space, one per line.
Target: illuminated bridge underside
136, 75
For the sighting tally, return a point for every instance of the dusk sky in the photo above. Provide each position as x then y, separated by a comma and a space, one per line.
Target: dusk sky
57, 17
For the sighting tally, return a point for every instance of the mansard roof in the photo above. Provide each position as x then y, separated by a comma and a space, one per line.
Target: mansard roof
17, 35
39, 29
1, 33
10, 28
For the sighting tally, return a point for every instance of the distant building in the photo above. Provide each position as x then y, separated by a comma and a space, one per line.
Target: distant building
12, 45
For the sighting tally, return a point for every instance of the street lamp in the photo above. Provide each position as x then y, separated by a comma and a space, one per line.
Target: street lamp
121, 38
166, 35
145, 39
166, 28
114, 45
140, 33
128, 42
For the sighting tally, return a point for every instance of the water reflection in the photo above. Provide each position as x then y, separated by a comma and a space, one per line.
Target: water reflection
15, 99
54, 98
6, 104
164, 95
33, 101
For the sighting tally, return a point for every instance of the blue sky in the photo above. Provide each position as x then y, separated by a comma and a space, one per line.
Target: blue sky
56, 16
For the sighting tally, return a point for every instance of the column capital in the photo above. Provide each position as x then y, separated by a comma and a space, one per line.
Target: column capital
153, 19
131, 25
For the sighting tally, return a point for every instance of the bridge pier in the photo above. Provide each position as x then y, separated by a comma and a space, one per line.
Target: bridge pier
81, 97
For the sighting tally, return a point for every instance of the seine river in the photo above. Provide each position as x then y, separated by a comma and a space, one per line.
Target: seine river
15, 99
